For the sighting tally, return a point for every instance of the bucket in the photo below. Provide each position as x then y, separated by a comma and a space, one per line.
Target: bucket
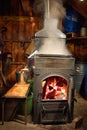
71, 21
26, 75
83, 90
31, 81
83, 31
29, 105
79, 75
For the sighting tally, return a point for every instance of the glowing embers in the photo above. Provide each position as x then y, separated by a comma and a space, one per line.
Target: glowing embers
54, 87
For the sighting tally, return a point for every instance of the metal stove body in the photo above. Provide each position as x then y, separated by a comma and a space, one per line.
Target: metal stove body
53, 67
55, 107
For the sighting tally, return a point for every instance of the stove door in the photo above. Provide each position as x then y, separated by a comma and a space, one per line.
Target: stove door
54, 111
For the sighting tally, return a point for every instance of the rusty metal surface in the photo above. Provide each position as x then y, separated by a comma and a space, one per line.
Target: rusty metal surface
18, 91
55, 62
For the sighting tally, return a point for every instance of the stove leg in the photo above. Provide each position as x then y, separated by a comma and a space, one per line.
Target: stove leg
25, 111
3, 104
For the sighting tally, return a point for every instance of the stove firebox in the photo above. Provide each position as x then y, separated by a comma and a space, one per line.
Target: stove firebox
53, 89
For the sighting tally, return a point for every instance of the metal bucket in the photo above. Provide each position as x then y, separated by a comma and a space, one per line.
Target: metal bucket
79, 74
26, 75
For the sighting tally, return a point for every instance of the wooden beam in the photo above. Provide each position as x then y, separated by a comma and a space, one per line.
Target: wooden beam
21, 9
80, 7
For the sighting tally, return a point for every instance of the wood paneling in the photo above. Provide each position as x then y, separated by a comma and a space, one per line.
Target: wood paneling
17, 37
25, 7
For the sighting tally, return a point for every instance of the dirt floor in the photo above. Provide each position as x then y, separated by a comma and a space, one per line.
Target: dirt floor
80, 111
79, 122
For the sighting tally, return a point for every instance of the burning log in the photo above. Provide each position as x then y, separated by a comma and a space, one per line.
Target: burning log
54, 88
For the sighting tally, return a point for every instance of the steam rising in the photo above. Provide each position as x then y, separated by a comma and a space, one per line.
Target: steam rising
51, 41
56, 8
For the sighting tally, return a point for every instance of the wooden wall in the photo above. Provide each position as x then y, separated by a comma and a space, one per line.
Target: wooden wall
17, 41
17, 37
78, 48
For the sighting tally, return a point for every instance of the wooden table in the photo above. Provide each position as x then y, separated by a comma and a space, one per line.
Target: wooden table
18, 92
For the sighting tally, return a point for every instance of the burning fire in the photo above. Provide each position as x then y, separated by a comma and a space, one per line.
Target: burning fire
54, 88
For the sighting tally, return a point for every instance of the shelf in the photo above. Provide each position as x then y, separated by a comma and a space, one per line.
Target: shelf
77, 38
9, 40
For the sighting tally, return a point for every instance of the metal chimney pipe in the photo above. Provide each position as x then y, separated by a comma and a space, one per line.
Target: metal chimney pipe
47, 8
